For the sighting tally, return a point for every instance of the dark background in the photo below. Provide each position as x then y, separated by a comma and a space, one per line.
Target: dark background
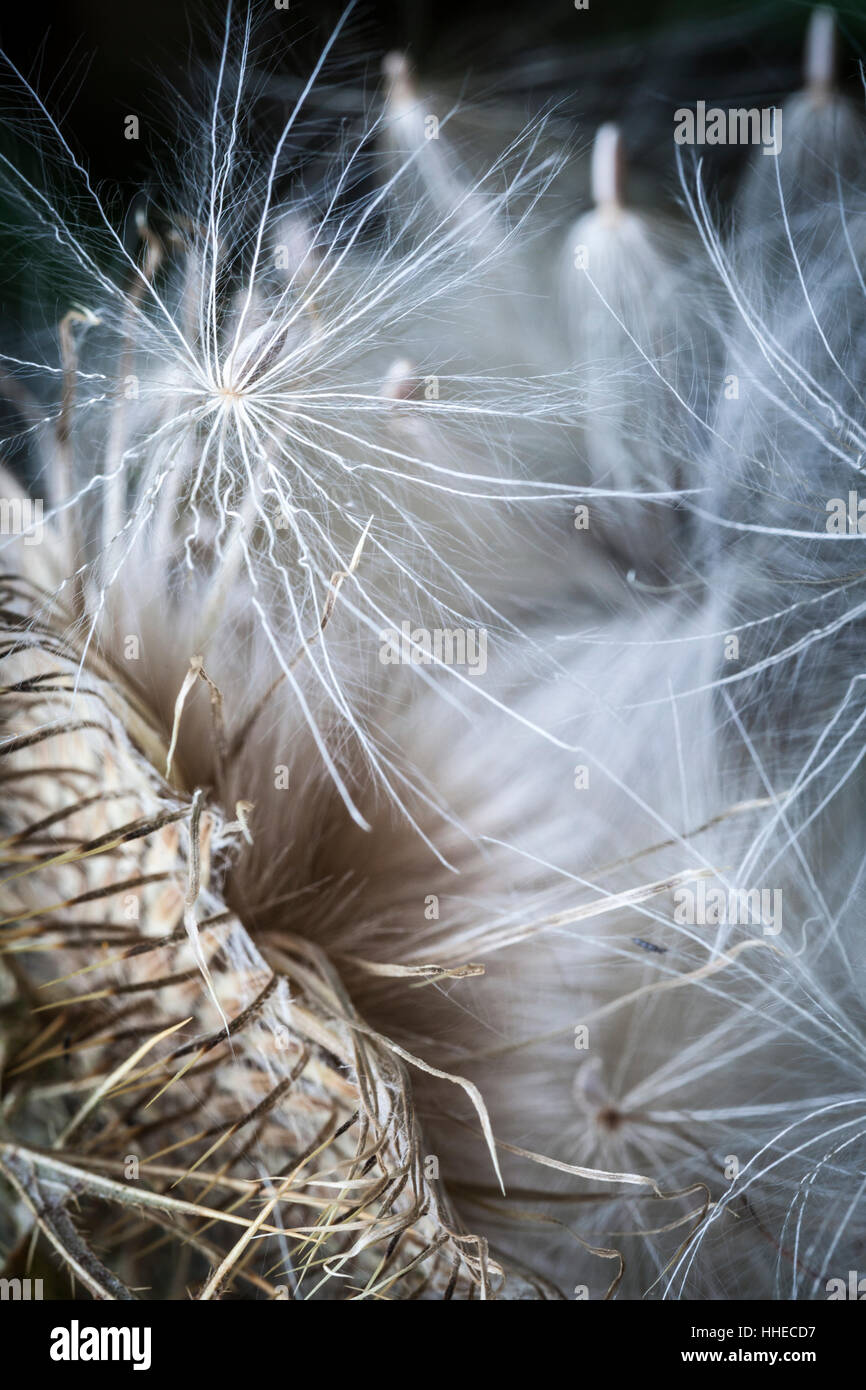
98, 60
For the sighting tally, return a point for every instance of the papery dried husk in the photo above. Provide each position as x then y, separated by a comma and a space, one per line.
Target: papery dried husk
153, 1146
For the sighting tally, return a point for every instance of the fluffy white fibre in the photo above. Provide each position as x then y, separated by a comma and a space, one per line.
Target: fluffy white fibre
384, 399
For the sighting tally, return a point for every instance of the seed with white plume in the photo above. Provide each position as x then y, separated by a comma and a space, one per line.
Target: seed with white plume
629, 280
258, 447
